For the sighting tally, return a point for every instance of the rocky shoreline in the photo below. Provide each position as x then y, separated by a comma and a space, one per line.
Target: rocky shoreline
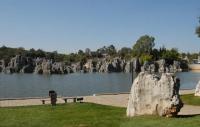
21, 64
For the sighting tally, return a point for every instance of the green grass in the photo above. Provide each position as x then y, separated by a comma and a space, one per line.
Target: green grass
67, 115
85, 115
190, 99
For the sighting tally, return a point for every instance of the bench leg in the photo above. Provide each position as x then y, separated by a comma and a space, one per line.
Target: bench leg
43, 102
65, 100
74, 100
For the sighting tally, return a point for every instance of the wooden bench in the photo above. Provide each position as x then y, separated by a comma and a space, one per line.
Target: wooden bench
69, 98
44, 100
79, 99
75, 99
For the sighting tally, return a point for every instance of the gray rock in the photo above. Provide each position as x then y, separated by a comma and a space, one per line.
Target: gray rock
162, 66
153, 94
17, 63
38, 69
112, 65
150, 67
43, 66
127, 68
2, 65
104, 67
123, 65
58, 68
76, 67
27, 69
176, 66
197, 90
89, 66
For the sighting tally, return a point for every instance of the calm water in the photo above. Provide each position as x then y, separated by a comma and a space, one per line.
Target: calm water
33, 85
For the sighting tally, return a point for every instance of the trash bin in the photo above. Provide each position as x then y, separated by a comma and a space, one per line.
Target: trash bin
53, 96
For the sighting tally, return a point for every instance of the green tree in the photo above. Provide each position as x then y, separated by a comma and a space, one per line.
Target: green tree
40, 53
146, 58
102, 50
111, 50
171, 55
143, 45
124, 52
155, 54
80, 52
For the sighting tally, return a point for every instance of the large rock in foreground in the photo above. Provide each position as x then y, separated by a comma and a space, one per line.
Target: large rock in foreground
197, 90
152, 94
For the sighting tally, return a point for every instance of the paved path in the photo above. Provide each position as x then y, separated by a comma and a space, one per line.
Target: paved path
119, 100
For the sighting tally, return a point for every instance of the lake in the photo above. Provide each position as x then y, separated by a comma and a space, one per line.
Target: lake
77, 84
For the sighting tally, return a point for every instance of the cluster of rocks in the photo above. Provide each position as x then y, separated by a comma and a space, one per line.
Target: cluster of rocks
154, 94
114, 65
21, 64
161, 66
17, 64
43, 66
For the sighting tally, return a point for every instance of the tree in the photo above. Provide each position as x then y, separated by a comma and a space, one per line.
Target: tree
155, 54
40, 53
143, 45
124, 51
146, 58
198, 29
111, 50
80, 52
102, 50
171, 55
20, 51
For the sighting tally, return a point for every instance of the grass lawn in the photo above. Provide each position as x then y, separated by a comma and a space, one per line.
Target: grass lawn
190, 99
85, 115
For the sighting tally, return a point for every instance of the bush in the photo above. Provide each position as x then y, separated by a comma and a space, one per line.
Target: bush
146, 57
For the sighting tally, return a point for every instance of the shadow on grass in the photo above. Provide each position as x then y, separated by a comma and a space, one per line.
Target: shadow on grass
187, 116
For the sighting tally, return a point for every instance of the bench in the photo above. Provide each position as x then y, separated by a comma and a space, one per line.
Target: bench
75, 99
69, 98
79, 99
43, 100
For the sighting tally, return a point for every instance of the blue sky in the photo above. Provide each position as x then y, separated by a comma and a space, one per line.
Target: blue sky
69, 25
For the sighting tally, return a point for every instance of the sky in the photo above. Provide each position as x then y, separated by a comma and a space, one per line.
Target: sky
69, 25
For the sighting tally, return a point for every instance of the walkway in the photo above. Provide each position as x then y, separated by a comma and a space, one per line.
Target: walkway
119, 100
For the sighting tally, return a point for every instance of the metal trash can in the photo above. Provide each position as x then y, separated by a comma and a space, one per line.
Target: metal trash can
53, 96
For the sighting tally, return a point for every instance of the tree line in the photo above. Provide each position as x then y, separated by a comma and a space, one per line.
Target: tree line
143, 48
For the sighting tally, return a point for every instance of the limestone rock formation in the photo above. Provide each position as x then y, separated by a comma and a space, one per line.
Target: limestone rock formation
19, 64
154, 94
197, 90
16, 63
27, 69
90, 66
44, 66
2, 65
162, 66
59, 68
127, 68
76, 67
176, 66
24, 64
